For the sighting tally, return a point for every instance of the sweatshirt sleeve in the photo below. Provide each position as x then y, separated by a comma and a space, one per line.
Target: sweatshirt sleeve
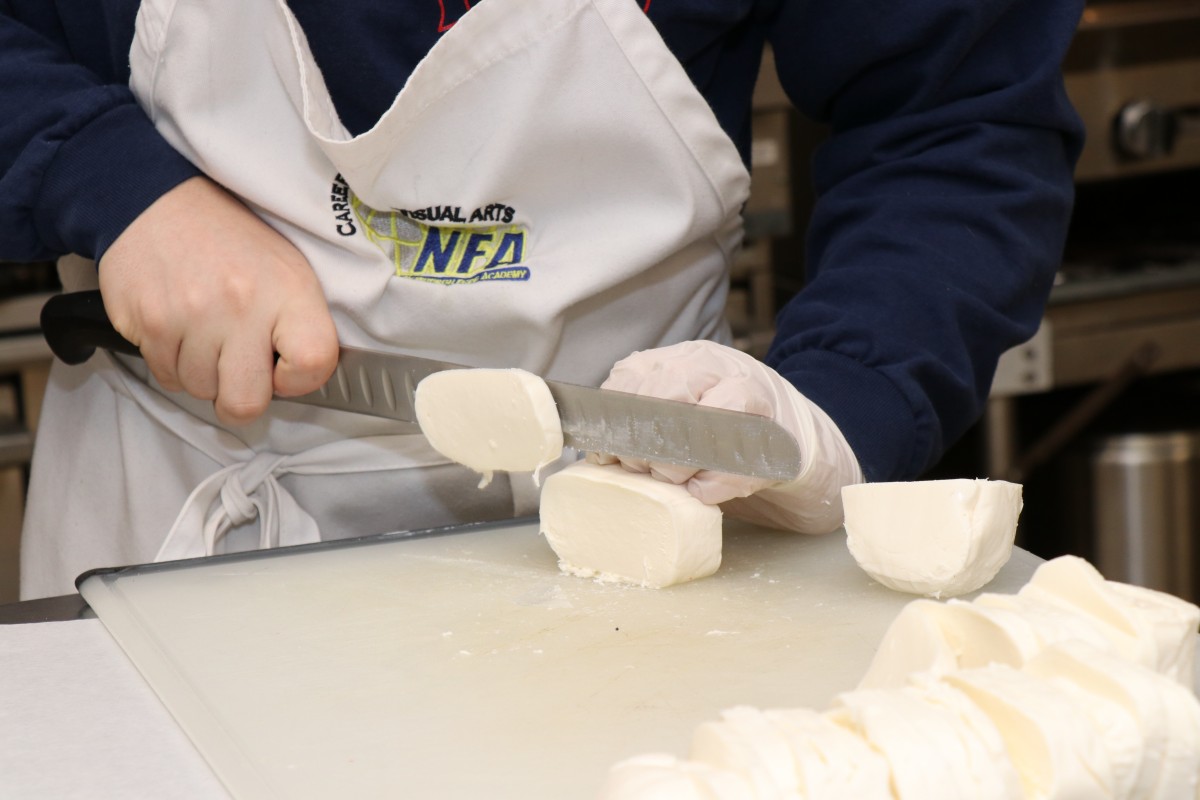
943, 198
79, 160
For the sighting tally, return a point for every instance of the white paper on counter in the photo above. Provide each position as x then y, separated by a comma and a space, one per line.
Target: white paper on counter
78, 722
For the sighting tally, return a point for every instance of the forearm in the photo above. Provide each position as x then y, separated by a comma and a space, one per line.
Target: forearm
943, 200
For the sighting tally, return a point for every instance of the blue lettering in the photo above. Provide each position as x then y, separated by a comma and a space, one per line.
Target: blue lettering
513, 242
473, 250
436, 250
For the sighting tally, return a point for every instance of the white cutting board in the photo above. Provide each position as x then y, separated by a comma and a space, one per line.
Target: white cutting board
467, 666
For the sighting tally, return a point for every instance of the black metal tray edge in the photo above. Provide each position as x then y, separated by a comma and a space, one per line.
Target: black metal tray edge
331, 544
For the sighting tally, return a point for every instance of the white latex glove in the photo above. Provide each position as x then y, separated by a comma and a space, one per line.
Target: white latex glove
210, 294
709, 374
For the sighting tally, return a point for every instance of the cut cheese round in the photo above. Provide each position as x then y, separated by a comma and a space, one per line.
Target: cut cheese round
606, 522
1049, 738
939, 637
744, 741
1171, 621
490, 419
937, 746
1044, 623
831, 761
987, 766
936, 538
1137, 742
1148, 627
658, 776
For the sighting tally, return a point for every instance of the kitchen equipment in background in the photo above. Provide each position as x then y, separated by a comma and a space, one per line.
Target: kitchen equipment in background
24, 366
1133, 73
1147, 496
1137, 496
1120, 341
769, 214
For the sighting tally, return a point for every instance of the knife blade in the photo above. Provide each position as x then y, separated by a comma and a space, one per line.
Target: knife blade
383, 384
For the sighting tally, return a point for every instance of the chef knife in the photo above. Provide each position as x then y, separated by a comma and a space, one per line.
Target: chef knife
381, 384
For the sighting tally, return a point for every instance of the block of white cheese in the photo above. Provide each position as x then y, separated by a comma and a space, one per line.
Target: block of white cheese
831, 761
1148, 627
605, 522
936, 538
938, 745
490, 419
1050, 739
659, 776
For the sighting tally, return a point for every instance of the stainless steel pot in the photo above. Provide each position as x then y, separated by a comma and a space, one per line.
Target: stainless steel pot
1145, 509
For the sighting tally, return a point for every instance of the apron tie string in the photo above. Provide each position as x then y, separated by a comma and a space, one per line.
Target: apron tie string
235, 495
235, 501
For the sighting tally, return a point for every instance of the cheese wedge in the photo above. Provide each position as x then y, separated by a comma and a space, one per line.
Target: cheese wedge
605, 522
490, 419
935, 538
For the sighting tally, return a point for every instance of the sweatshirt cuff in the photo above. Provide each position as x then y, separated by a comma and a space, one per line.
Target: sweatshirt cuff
103, 177
889, 440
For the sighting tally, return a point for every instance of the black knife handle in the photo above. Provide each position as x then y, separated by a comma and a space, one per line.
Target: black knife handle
75, 324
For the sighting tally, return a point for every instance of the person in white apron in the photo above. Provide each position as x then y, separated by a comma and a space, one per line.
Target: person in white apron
506, 244
549, 190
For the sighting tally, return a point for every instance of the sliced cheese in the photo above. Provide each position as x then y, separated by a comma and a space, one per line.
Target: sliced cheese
490, 419
1145, 626
744, 741
937, 538
1171, 621
938, 637
936, 748
657, 776
1136, 732
987, 764
831, 761
605, 522
1045, 623
1049, 738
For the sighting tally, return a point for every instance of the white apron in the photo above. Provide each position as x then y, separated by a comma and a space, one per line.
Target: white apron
548, 191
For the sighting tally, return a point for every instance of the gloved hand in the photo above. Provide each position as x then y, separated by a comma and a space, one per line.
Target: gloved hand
709, 374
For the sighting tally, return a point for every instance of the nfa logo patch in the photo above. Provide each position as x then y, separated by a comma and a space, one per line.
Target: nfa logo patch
442, 244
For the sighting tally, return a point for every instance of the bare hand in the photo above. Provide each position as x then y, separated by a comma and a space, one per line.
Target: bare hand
210, 294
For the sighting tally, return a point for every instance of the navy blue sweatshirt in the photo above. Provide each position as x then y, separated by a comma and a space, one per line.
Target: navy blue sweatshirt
943, 193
